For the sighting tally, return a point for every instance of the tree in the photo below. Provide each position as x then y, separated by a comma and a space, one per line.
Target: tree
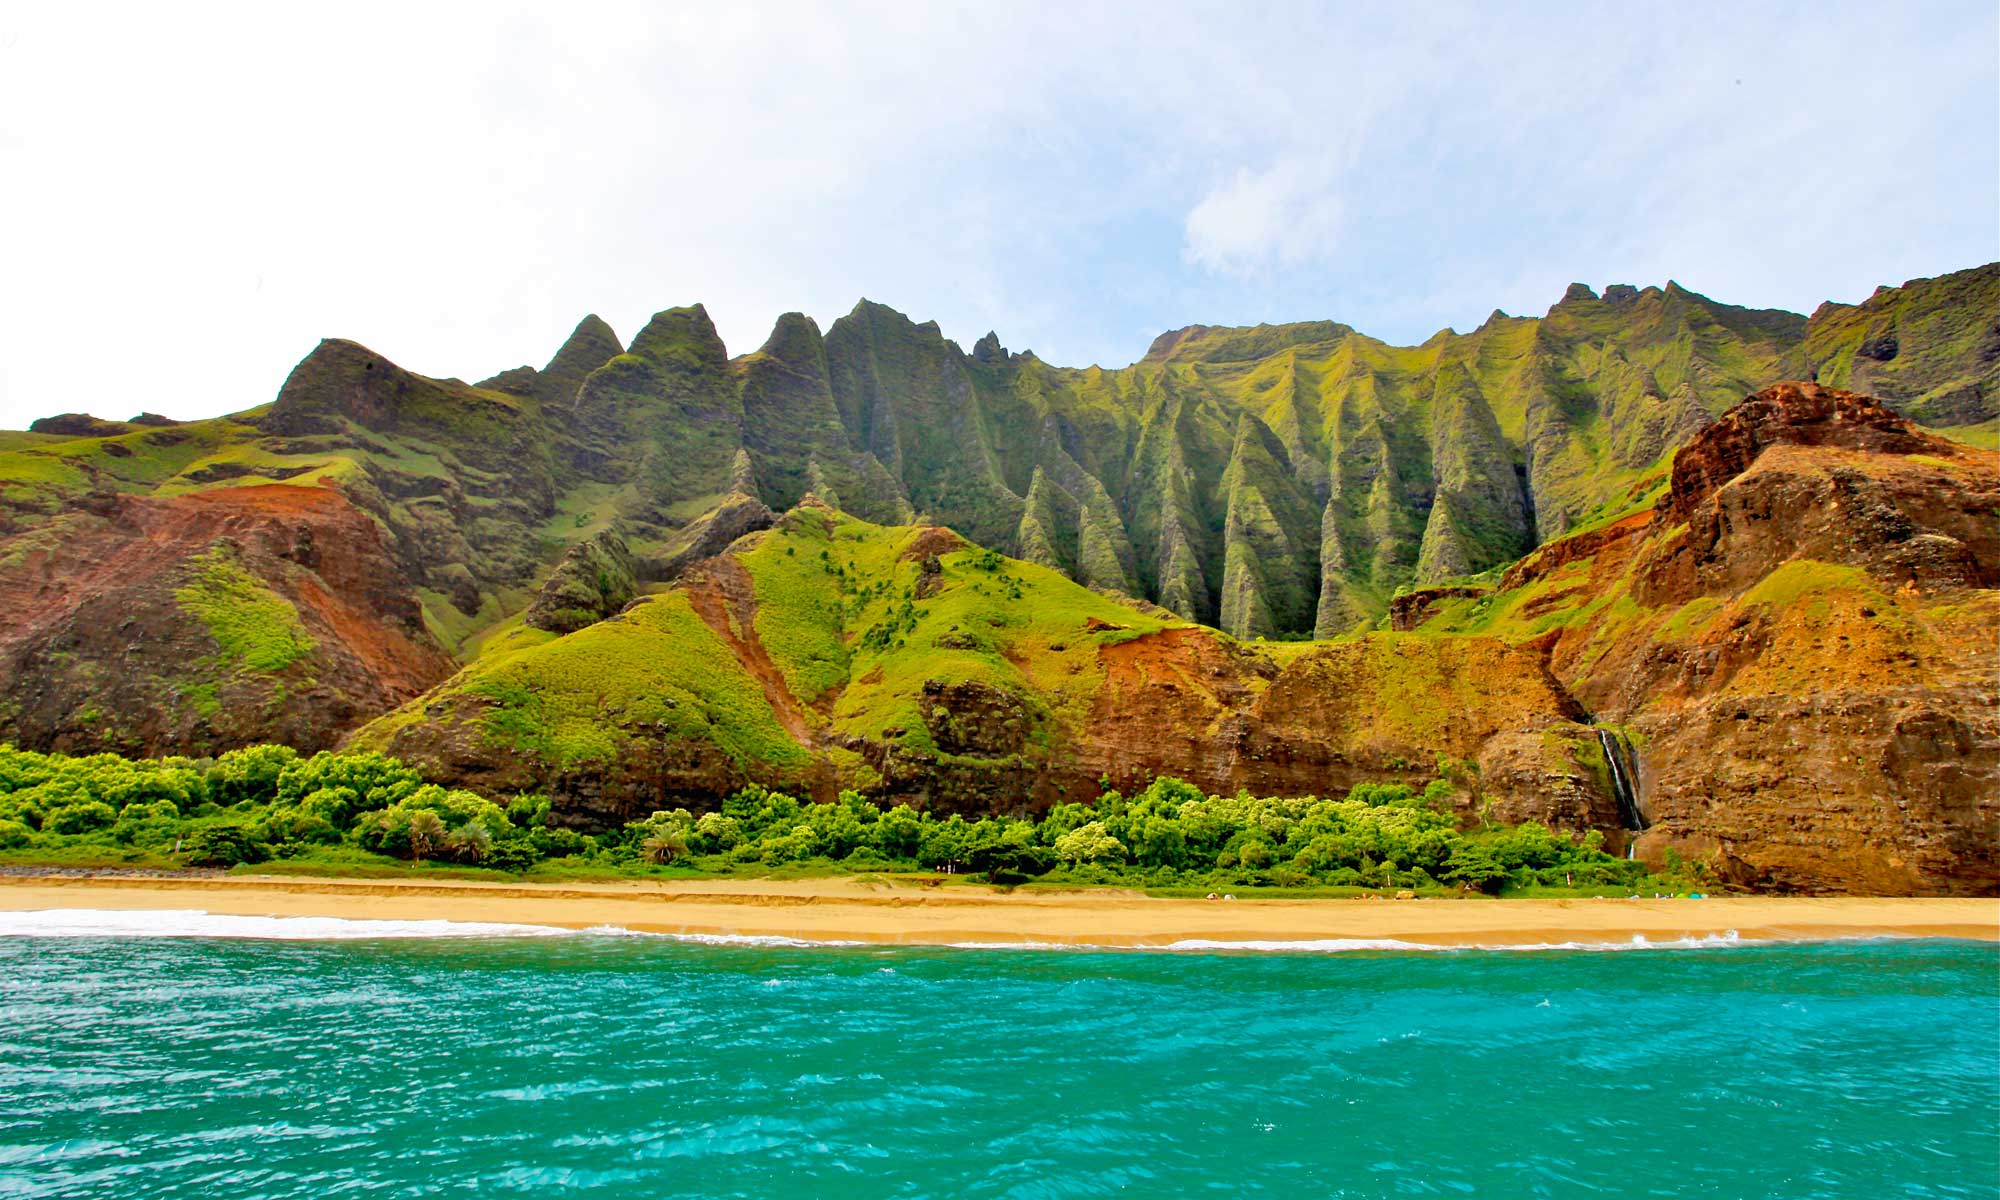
899, 833
221, 846
426, 833
1475, 866
1089, 843
944, 843
249, 775
663, 846
470, 842
1008, 854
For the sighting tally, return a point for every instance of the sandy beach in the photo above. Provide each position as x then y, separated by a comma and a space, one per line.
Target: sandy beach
900, 913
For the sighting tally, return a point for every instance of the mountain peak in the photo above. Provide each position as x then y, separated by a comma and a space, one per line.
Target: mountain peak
794, 336
684, 335
589, 346
988, 349
1242, 343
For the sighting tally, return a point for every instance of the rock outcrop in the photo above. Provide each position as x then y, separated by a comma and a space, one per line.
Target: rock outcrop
1796, 637
594, 579
1800, 636
199, 623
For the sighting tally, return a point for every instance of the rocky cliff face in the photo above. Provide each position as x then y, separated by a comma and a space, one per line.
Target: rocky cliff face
1278, 481
199, 623
1800, 638
828, 652
560, 536
1797, 638
1931, 347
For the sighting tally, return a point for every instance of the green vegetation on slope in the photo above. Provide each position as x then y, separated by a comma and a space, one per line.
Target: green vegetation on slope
342, 813
576, 698
257, 629
854, 620
1931, 347
1277, 481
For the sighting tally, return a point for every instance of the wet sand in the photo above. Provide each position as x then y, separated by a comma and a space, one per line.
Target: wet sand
912, 913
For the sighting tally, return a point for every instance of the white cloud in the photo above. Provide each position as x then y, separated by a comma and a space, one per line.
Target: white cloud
192, 195
1285, 215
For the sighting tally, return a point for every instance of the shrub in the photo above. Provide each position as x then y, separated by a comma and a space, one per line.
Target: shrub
302, 826
376, 779
516, 853
224, 845
527, 811
249, 775
716, 834
86, 817
14, 835
558, 843
22, 810
1088, 844
469, 843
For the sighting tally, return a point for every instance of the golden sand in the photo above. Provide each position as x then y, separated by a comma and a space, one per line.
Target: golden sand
912, 913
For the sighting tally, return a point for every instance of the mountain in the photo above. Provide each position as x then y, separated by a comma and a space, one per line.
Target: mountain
1789, 654
1798, 637
829, 652
864, 557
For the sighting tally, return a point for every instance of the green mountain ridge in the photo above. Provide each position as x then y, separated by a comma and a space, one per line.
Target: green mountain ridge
1276, 481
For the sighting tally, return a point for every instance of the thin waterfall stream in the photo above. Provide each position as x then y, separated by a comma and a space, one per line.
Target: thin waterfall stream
1617, 753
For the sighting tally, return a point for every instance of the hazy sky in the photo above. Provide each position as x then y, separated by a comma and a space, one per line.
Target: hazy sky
191, 196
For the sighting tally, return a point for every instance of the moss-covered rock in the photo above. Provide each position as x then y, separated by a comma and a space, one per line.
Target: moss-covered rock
595, 579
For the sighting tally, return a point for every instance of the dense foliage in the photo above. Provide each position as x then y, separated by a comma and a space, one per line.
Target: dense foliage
268, 803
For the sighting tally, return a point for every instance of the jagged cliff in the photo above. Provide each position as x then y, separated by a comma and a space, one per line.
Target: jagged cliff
578, 565
1800, 638
1281, 481
1795, 642
829, 652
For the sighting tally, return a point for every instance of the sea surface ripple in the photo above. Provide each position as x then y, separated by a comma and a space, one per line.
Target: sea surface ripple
620, 1066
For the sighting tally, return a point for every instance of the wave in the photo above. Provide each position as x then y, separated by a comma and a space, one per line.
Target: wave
720, 939
1351, 945
192, 923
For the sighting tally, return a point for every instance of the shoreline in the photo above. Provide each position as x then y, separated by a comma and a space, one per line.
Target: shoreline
882, 912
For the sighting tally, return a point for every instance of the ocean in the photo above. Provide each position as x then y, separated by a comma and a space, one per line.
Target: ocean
327, 1059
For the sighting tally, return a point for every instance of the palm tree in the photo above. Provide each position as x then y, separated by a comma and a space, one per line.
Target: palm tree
664, 847
470, 842
426, 833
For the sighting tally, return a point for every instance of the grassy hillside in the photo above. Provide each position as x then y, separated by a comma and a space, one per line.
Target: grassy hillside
1277, 481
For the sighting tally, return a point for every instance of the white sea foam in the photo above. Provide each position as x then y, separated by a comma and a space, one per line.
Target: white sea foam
1209, 946
741, 939
716, 939
177, 922
164, 923
1296, 946
1638, 941
1351, 945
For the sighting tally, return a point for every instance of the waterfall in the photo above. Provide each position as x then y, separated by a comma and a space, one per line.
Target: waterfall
1617, 753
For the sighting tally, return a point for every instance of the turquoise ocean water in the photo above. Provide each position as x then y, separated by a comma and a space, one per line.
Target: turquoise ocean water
629, 1066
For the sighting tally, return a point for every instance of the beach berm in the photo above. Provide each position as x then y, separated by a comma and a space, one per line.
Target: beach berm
901, 912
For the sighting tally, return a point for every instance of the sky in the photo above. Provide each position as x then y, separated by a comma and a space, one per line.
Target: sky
192, 195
